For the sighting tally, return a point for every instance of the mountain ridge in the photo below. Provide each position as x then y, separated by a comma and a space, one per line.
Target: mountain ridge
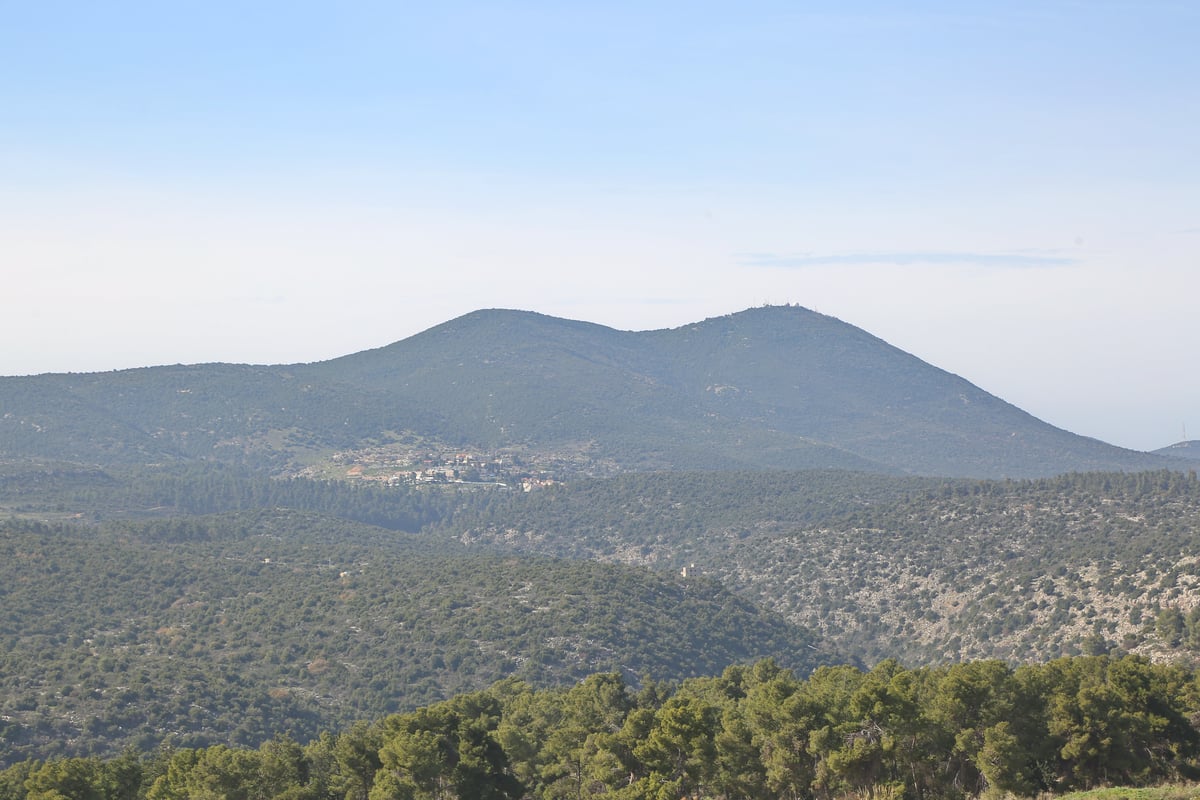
765, 388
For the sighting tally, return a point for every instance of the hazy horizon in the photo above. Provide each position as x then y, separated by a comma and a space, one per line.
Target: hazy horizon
1009, 193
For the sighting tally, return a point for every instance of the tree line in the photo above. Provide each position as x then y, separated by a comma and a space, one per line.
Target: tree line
755, 731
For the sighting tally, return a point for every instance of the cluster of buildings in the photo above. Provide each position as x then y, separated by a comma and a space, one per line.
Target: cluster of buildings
412, 469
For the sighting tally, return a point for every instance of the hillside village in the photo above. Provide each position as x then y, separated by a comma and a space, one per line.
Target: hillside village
412, 465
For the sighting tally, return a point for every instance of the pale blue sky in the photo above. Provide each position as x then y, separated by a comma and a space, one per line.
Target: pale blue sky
1008, 190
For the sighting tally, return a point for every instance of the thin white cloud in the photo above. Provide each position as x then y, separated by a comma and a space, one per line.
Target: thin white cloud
1009, 260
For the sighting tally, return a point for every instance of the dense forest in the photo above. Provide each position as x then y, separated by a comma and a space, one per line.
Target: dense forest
921, 569
753, 733
232, 628
191, 607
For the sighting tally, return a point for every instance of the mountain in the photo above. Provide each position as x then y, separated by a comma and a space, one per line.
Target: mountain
1187, 449
773, 387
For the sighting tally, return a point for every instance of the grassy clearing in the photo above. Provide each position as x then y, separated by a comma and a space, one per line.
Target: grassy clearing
1172, 792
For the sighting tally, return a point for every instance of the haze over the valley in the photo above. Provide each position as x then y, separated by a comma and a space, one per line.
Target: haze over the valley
1008, 192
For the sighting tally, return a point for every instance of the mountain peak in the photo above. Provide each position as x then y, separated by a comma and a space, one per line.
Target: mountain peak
1189, 448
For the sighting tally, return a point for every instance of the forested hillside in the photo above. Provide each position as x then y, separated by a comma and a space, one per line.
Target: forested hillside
208, 604
71, 492
296, 603
917, 569
234, 628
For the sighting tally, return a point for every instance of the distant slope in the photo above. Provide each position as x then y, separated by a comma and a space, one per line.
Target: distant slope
1189, 449
230, 412
800, 372
777, 387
